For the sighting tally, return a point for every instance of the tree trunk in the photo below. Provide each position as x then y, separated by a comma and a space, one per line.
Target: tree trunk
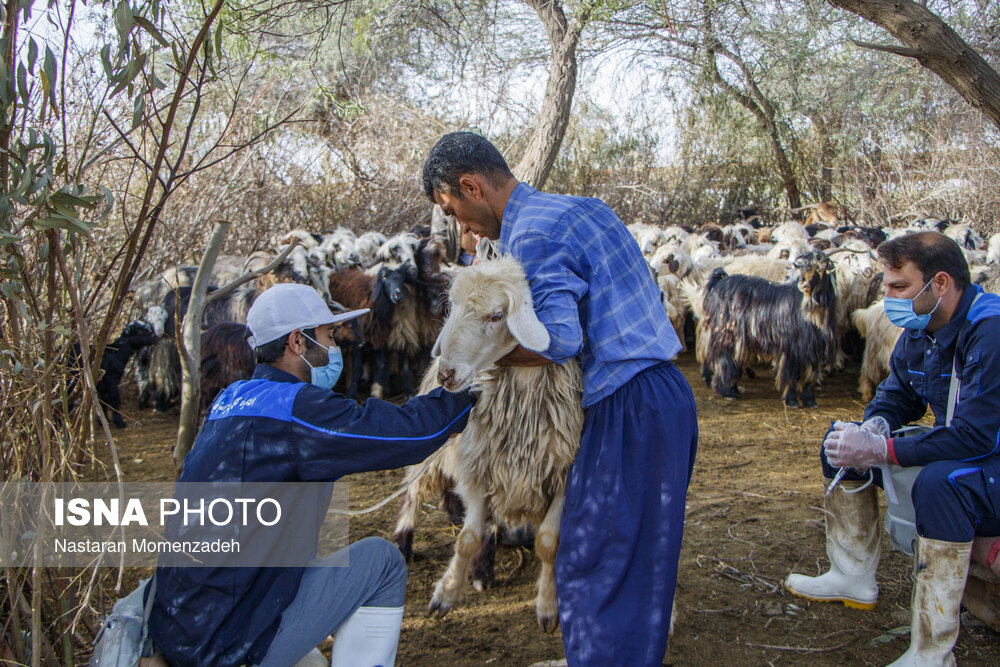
825, 172
764, 112
189, 347
935, 46
553, 118
189, 342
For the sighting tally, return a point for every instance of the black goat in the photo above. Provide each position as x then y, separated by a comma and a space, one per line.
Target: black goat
793, 326
135, 337
381, 293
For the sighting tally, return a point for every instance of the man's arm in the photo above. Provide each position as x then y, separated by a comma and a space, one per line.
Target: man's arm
974, 432
336, 437
520, 356
895, 400
554, 273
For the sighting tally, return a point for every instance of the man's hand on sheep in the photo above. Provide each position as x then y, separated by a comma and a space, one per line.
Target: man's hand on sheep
855, 447
520, 356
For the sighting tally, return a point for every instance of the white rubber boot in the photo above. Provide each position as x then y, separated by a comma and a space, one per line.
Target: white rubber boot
940, 569
852, 544
368, 638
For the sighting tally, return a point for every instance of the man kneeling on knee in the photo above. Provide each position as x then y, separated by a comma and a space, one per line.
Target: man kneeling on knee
286, 425
951, 328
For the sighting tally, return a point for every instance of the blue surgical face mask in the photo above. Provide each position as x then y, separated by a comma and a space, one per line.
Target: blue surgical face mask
326, 376
900, 312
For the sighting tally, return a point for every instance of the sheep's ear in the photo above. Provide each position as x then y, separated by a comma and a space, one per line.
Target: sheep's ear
525, 326
436, 350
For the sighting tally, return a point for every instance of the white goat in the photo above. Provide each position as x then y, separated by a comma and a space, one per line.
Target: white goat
367, 247
398, 250
965, 236
523, 433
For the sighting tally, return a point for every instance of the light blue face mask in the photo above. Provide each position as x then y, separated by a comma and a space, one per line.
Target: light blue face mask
326, 376
900, 311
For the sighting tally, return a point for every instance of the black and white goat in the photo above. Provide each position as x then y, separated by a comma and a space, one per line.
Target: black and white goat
136, 336
792, 325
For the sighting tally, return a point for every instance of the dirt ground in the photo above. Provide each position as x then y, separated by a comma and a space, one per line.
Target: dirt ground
752, 516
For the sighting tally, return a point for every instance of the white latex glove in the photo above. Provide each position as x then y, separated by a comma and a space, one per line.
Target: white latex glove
877, 425
834, 435
854, 447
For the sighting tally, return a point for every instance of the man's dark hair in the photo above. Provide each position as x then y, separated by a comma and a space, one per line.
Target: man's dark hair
931, 252
461, 153
268, 353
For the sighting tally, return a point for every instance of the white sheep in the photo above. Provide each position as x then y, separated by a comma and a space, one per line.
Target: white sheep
523, 433
649, 239
671, 259
791, 249
993, 249
880, 338
788, 232
775, 270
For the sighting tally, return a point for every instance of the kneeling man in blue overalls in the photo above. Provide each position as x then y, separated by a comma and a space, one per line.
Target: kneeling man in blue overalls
948, 347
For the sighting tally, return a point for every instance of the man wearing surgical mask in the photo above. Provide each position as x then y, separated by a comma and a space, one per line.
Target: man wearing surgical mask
948, 359
286, 425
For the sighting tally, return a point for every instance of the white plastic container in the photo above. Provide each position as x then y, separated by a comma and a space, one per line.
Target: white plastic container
900, 521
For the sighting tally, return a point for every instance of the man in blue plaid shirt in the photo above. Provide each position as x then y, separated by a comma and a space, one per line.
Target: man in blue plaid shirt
623, 513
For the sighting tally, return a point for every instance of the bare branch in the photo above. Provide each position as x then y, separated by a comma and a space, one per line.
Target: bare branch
252, 275
888, 48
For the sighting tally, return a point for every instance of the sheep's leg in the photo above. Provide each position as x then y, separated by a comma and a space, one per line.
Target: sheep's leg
546, 544
866, 386
448, 590
484, 563
403, 535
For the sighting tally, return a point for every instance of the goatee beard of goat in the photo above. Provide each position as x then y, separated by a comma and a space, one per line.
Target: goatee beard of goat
793, 326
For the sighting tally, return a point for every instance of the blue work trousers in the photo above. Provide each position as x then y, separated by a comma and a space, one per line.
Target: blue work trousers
374, 577
952, 500
623, 520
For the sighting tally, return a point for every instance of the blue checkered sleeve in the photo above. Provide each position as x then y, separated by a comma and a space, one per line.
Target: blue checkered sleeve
556, 288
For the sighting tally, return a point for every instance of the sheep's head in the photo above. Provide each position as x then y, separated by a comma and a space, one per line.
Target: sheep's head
491, 313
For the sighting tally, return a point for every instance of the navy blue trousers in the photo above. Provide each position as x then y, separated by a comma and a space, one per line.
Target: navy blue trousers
623, 520
952, 500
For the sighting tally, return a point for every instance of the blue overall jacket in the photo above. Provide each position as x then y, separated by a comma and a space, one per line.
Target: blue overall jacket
275, 428
920, 376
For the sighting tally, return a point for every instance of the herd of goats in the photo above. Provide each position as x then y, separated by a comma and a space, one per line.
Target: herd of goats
798, 296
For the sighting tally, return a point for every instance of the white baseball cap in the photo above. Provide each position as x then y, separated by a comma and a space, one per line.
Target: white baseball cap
286, 307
